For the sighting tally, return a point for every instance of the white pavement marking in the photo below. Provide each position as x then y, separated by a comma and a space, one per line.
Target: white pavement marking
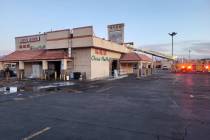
37, 133
103, 89
174, 102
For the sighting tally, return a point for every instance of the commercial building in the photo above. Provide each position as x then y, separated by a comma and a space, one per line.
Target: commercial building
60, 53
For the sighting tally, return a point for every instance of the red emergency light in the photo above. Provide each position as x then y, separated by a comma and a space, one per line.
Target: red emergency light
189, 67
183, 67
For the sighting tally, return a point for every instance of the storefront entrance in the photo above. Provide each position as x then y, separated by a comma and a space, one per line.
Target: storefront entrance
54, 67
114, 66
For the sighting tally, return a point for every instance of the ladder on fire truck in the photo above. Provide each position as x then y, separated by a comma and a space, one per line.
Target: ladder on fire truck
154, 53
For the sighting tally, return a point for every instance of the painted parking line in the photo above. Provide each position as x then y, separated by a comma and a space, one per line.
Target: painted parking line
104, 89
37, 133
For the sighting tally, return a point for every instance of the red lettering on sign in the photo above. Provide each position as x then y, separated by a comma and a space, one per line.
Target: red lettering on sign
100, 52
34, 39
30, 39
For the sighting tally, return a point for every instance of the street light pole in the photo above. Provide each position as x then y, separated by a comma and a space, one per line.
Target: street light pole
172, 37
189, 54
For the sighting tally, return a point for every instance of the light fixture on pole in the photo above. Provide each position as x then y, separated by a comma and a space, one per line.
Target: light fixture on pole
172, 36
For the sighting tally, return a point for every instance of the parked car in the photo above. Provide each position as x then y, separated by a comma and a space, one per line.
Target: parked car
165, 68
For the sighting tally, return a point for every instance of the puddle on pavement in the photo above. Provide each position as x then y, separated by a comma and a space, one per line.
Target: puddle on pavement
55, 85
50, 87
8, 90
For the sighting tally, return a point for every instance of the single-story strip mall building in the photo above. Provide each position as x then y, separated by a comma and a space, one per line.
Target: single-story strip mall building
57, 54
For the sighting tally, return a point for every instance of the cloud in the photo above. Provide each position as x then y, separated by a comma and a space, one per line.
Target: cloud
199, 48
157, 47
5, 52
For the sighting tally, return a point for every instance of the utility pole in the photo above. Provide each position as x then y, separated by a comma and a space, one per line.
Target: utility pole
172, 37
189, 54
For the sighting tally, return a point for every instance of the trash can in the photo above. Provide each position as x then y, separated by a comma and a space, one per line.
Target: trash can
72, 75
77, 75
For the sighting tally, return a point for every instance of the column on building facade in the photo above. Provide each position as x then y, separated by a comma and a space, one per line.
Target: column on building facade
152, 67
141, 68
44, 68
63, 69
147, 68
138, 69
118, 67
21, 70
1, 66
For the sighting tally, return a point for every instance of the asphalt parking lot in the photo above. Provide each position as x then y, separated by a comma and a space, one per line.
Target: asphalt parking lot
164, 106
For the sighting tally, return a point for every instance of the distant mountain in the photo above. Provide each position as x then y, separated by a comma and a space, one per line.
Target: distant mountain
4, 52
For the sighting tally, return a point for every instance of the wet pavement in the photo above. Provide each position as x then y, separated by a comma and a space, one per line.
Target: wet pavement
164, 106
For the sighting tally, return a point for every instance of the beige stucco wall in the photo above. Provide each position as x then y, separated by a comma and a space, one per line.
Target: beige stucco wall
82, 42
27, 69
126, 68
58, 44
101, 69
58, 34
95, 69
82, 61
58, 39
98, 42
83, 31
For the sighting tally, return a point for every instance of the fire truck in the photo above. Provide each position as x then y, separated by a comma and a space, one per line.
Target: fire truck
188, 67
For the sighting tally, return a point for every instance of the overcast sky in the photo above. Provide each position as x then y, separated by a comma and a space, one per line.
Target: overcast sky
147, 22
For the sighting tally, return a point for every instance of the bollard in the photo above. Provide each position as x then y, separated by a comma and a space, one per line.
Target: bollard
55, 75
80, 77
21, 75
64, 77
45, 76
